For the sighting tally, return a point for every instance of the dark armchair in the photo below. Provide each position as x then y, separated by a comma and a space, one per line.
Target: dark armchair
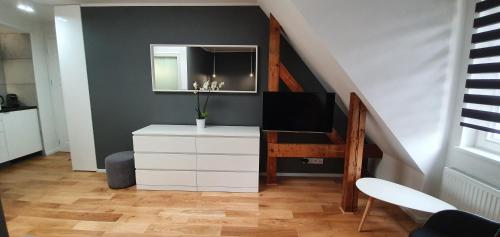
3, 226
453, 223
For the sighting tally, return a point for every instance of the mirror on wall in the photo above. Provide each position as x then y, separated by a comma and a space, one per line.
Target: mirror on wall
175, 68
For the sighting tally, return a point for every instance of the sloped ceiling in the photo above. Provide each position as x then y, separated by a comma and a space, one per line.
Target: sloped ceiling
394, 54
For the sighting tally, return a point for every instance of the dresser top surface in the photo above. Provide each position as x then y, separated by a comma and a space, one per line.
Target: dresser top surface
191, 130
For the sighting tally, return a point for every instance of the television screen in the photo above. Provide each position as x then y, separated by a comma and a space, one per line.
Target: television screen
298, 112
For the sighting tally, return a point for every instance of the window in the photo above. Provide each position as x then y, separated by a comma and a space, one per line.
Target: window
494, 137
487, 140
481, 108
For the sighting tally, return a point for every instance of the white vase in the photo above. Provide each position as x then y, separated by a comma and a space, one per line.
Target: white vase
200, 123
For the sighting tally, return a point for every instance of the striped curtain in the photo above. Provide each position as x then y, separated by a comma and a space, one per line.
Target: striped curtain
481, 109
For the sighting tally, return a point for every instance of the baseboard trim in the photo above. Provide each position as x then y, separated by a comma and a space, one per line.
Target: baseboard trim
53, 150
50, 151
100, 170
317, 175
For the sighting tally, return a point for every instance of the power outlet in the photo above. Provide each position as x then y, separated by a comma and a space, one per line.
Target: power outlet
314, 161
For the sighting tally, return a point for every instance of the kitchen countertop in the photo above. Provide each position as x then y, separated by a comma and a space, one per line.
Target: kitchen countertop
5, 110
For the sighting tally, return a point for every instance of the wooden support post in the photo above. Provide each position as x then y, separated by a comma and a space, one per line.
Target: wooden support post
273, 85
272, 160
354, 153
335, 138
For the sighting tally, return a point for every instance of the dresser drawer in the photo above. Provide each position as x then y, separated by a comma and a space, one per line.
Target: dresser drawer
228, 179
166, 178
228, 162
164, 144
227, 145
163, 161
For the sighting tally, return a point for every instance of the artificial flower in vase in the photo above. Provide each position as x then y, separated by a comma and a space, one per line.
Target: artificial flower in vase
201, 111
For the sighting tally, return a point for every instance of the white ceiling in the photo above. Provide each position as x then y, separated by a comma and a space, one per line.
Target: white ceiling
44, 9
148, 2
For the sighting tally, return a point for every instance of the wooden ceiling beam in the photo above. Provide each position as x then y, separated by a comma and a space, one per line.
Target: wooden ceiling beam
289, 80
274, 54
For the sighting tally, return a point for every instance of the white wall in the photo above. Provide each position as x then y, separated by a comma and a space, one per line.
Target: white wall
56, 92
75, 86
15, 53
3, 87
396, 55
31, 24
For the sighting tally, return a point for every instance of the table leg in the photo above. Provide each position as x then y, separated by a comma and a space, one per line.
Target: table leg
367, 210
272, 163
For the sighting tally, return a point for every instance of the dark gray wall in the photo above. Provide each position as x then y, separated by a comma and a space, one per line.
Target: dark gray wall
117, 43
118, 63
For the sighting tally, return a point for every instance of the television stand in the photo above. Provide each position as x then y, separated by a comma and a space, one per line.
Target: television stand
353, 150
292, 132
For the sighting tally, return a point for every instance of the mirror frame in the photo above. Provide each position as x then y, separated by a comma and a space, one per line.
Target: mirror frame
256, 47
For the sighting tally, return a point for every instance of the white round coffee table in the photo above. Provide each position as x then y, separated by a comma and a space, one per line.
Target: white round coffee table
398, 195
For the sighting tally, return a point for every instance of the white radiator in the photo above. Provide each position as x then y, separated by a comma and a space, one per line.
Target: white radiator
469, 194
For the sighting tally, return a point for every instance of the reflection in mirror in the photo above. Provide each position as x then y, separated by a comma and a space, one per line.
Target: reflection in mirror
177, 67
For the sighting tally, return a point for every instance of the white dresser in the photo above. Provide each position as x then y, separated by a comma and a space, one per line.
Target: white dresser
179, 157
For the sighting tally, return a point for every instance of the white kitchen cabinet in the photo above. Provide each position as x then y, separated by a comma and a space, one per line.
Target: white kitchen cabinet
4, 155
19, 134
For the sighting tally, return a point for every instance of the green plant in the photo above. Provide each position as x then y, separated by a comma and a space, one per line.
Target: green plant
208, 87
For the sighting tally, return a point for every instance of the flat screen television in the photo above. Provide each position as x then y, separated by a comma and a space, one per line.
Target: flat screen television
298, 112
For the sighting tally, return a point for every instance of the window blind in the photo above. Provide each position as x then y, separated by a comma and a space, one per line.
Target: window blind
481, 109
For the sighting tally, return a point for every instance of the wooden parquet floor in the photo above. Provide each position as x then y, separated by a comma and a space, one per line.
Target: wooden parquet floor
42, 196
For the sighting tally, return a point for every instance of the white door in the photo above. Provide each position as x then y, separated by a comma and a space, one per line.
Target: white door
73, 71
22, 133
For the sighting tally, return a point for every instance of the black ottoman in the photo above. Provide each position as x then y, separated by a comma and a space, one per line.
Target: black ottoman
120, 169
